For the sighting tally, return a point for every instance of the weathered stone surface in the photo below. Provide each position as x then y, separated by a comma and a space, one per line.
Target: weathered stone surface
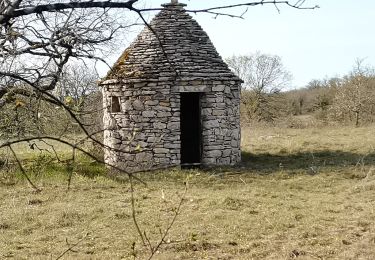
206, 111
128, 105
234, 143
173, 126
162, 108
143, 157
194, 88
172, 146
209, 161
218, 112
218, 88
148, 113
211, 124
159, 125
214, 147
153, 139
161, 150
227, 152
138, 105
214, 153
164, 114
151, 102
140, 85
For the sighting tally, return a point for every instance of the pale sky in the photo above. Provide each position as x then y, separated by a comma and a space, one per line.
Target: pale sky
313, 44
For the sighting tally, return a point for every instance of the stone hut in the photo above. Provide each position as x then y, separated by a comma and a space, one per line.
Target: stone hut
170, 99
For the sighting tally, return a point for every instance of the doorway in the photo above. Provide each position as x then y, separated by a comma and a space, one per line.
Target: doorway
191, 130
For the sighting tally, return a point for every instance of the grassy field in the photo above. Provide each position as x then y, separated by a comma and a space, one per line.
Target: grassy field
299, 193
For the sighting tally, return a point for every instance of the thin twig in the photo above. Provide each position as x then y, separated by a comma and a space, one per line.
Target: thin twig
166, 232
72, 246
71, 167
23, 170
134, 214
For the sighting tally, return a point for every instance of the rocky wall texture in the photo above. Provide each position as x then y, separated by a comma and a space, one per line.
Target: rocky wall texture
146, 133
221, 125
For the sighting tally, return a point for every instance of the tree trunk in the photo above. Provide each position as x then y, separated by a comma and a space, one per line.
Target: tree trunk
356, 118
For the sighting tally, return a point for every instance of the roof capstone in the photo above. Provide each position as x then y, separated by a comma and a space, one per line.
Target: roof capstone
174, 4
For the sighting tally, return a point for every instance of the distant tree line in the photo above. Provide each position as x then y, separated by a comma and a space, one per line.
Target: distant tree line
341, 100
346, 100
28, 115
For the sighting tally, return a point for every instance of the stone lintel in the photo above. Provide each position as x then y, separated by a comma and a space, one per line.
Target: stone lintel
108, 82
184, 89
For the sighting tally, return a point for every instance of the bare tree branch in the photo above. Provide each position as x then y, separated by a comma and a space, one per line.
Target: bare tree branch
15, 12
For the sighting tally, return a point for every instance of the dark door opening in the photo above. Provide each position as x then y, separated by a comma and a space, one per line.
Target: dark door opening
191, 133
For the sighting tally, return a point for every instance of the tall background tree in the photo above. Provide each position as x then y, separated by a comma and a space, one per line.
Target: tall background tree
264, 77
354, 100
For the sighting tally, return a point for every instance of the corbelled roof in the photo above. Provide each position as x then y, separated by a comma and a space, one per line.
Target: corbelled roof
176, 46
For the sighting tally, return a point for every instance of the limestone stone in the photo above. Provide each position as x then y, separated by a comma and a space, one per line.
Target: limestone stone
218, 112
148, 113
138, 105
140, 85
165, 161
151, 103
206, 111
161, 150
173, 126
162, 108
214, 147
227, 152
159, 125
172, 146
218, 88
234, 143
164, 114
211, 124
214, 153
225, 161
128, 105
143, 157
209, 161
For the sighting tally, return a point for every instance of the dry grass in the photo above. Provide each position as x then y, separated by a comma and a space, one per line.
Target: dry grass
306, 194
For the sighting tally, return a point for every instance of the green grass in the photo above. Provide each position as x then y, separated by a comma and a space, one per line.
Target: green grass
305, 193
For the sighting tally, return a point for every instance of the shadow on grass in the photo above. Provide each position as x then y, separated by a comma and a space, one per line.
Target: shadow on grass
268, 163
263, 163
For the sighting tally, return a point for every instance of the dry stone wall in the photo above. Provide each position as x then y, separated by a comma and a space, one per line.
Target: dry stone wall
146, 133
221, 124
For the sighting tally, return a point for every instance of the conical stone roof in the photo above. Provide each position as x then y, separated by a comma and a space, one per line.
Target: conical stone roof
177, 48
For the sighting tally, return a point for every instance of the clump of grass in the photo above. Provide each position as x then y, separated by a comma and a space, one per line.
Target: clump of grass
233, 203
43, 167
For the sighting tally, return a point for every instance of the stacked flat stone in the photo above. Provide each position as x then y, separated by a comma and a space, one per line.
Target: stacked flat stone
176, 56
